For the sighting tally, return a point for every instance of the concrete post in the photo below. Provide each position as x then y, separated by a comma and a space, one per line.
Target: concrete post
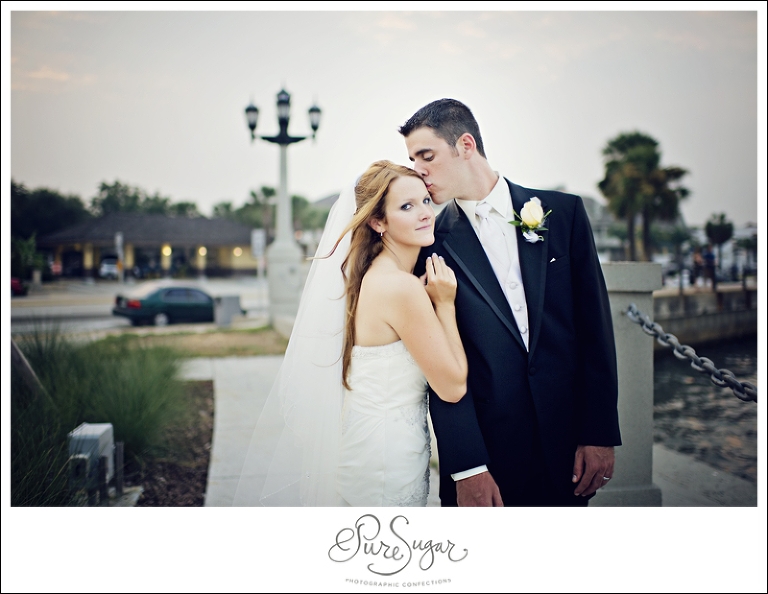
284, 257
632, 486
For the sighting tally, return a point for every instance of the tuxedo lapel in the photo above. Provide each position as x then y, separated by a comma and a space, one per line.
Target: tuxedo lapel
464, 247
533, 266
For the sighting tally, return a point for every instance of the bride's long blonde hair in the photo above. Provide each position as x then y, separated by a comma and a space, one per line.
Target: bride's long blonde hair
370, 199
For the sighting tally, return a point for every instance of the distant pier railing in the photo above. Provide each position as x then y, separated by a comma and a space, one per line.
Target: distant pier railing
699, 316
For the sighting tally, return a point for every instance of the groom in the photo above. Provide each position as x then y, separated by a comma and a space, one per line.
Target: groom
539, 422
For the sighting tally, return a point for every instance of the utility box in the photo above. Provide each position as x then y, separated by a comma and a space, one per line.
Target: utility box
87, 443
227, 307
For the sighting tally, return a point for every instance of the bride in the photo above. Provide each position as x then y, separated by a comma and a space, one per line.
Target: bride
346, 420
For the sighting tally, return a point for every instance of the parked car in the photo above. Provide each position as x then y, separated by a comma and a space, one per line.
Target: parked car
162, 304
17, 287
108, 268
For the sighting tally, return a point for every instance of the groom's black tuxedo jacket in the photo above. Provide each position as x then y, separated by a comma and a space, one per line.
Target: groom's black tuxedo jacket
525, 412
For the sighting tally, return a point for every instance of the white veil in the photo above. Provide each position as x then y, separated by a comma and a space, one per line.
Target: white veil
293, 454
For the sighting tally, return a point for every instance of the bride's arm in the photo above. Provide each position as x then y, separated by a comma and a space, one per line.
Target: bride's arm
429, 332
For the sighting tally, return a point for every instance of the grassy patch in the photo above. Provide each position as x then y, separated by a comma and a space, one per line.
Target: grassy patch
133, 387
213, 343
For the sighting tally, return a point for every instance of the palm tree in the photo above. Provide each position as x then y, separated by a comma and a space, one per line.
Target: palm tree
664, 201
635, 184
719, 230
749, 245
623, 180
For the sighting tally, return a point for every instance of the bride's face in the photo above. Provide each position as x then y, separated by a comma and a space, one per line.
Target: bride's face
410, 217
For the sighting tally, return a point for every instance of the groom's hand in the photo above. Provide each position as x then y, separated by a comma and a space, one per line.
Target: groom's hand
479, 490
592, 468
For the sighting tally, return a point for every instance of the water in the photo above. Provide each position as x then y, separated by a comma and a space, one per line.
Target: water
693, 416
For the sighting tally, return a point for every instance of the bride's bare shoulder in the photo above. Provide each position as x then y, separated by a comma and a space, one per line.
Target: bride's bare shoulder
392, 284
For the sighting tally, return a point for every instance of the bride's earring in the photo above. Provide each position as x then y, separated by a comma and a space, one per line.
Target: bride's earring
381, 234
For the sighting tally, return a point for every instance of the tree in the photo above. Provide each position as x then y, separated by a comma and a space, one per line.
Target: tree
155, 204
25, 257
663, 203
258, 213
265, 201
299, 208
43, 211
719, 230
749, 245
625, 159
636, 185
117, 197
223, 210
184, 209
618, 231
120, 197
315, 218
306, 215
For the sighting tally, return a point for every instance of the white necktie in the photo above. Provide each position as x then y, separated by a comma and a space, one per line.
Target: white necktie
493, 242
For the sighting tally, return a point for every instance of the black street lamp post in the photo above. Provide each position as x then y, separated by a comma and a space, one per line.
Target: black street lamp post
284, 254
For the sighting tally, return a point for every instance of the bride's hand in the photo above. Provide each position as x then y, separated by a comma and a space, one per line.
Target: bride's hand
440, 281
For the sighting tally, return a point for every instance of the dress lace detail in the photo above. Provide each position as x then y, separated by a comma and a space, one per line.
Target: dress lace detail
382, 350
416, 416
385, 350
417, 498
385, 441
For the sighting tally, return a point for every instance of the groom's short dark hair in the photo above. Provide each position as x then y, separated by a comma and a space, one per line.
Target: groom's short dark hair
449, 119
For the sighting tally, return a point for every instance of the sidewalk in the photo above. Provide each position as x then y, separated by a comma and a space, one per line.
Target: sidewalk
241, 385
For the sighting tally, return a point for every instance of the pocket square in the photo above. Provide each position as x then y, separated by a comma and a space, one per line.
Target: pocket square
552, 260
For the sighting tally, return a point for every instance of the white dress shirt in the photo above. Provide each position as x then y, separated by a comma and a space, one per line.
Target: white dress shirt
500, 201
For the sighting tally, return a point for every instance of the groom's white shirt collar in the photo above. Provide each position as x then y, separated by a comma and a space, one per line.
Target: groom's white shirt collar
500, 200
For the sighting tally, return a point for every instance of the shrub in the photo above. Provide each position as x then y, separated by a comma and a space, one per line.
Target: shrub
134, 388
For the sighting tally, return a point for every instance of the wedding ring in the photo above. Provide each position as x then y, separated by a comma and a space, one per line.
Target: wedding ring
606, 478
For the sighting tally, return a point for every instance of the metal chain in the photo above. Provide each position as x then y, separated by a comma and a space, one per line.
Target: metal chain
720, 377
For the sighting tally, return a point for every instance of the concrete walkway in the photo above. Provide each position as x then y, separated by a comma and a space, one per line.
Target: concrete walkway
241, 385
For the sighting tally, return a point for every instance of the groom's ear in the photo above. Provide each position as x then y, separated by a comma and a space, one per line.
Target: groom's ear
466, 145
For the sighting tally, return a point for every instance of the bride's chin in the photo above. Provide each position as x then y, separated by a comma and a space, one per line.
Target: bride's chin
429, 240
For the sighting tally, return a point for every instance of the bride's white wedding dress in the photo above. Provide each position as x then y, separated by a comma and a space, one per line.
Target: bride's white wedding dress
385, 443
317, 444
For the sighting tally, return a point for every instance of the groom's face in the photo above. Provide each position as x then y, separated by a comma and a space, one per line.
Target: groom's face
437, 163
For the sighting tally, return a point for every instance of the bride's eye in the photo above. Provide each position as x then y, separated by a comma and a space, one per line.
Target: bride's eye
408, 206
427, 200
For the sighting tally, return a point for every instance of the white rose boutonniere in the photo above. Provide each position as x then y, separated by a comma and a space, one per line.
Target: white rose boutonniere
531, 219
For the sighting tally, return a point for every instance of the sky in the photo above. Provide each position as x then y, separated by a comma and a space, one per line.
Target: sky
156, 99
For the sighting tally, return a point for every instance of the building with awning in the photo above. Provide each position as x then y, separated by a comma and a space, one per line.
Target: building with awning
153, 245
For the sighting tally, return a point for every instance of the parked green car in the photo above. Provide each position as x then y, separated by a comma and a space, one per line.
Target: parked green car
164, 304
